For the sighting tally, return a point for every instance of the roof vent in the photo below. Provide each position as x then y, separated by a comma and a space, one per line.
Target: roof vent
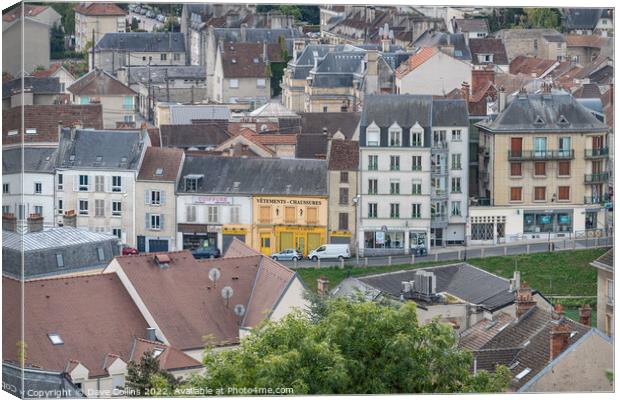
539, 120
159, 172
563, 120
162, 260
234, 61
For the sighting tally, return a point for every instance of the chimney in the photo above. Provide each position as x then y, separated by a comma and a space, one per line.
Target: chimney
465, 91
560, 333
479, 77
35, 223
150, 334
265, 53
69, 219
502, 99
585, 315
9, 222
243, 32
372, 57
322, 284
385, 45
524, 300
515, 282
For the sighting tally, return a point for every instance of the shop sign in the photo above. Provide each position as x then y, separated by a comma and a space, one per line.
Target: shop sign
292, 202
545, 219
340, 233
234, 231
212, 200
564, 219
380, 237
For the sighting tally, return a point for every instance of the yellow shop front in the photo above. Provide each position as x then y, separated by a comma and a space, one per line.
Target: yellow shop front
289, 222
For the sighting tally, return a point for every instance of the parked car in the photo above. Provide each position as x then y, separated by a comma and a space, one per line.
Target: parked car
206, 252
287, 255
340, 251
161, 18
150, 14
129, 251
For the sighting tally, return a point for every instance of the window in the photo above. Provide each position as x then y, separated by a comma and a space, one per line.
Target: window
55, 339
515, 194
233, 83
38, 210
190, 213
6, 209
416, 187
610, 291
372, 186
416, 138
212, 214
176, 56
155, 220
234, 215
5, 188
456, 185
394, 187
324, 108
394, 210
456, 161
344, 196
163, 56
344, 177
564, 193
38, 188
159, 172
540, 169
394, 137
515, 169
313, 215
60, 181
289, 215
540, 193
416, 163
191, 184
416, 210
456, 208
60, 207
83, 207
372, 210
564, 168
373, 163
260, 83
156, 197
372, 137
99, 208
116, 184
565, 146
100, 254
99, 187
264, 214
456, 135
540, 146
60, 261
116, 208
83, 187
343, 221
394, 163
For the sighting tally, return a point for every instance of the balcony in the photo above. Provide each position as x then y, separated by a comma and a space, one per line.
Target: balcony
596, 199
540, 155
439, 221
439, 193
596, 178
603, 152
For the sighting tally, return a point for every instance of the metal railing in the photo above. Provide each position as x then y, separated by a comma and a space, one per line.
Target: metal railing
596, 178
603, 152
596, 199
544, 155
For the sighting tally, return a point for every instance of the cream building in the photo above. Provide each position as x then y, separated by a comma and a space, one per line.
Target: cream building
96, 19
605, 292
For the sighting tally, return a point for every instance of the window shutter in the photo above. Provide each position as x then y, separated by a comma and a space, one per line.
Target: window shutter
146, 221
108, 184
161, 222
162, 197
147, 196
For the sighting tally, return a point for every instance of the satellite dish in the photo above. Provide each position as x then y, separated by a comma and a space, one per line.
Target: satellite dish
239, 310
227, 293
214, 274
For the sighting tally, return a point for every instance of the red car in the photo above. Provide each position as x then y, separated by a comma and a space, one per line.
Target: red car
129, 251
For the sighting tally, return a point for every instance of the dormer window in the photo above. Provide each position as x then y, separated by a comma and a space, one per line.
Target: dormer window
191, 182
395, 133
373, 135
563, 120
416, 136
31, 131
157, 352
159, 172
539, 120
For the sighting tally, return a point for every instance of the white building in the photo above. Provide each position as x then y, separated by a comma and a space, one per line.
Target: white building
96, 177
413, 177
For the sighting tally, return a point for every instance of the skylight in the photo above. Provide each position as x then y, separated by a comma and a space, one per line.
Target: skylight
521, 374
31, 131
72, 157
55, 339
99, 158
159, 171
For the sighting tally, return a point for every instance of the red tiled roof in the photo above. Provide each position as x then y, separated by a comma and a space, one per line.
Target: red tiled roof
344, 155
271, 139
530, 65
238, 59
170, 359
31, 10
166, 158
101, 9
99, 82
594, 41
419, 58
49, 72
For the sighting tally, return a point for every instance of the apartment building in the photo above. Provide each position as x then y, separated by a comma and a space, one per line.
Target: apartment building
413, 173
544, 170
96, 173
547, 44
93, 20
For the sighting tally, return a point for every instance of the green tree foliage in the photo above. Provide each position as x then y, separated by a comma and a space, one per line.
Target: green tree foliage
350, 347
309, 14
542, 18
67, 14
57, 42
145, 378
504, 18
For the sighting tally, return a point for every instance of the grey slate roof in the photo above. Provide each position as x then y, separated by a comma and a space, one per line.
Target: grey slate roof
117, 149
582, 18
142, 41
77, 246
37, 381
256, 176
606, 261
38, 85
184, 114
36, 159
544, 112
433, 38
464, 281
158, 73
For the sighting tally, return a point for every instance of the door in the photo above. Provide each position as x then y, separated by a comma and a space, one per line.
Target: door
286, 241
300, 245
516, 146
314, 241
141, 244
157, 245
597, 142
265, 243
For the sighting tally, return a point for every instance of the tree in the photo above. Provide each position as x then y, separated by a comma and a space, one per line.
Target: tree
145, 378
350, 347
67, 15
57, 42
543, 18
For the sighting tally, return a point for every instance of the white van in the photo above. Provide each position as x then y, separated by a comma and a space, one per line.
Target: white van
330, 251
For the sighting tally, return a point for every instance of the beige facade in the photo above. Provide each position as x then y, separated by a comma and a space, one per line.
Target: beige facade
155, 200
332, 99
116, 108
85, 25
605, 302
293, 92
34, 46
342, 187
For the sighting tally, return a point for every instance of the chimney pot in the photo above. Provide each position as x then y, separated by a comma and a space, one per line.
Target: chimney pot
35, 223
9, 222
524, 300
585, 315
560, 337
69, 219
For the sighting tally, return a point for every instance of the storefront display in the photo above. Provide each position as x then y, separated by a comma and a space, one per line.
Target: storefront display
549, 221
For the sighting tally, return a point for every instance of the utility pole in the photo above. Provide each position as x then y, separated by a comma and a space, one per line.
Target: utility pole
92, 50
149, 97
129, 68
167, 86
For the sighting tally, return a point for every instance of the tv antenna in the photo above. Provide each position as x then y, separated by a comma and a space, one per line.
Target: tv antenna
214, 275
227, 293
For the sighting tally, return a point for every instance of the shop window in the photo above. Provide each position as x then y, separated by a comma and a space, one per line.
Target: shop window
481, 231
515, 193
313, 216
591, 219
564, 193
515, 169
540, 193
564, 168
540, 169
384, 240
289, 215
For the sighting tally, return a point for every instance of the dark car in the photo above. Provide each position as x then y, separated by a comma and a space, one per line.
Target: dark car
129, 251
206, 252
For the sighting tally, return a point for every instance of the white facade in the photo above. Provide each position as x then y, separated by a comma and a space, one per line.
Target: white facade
37, 195
100, 201
437, 76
